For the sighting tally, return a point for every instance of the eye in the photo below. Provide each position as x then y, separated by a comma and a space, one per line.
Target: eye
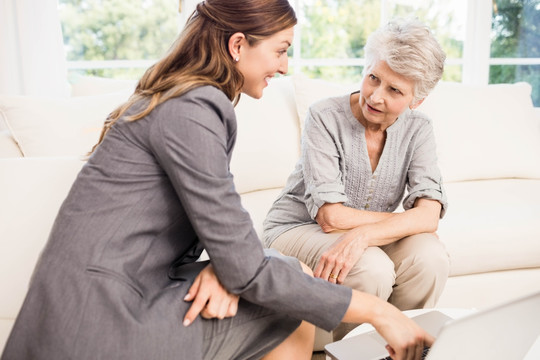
282, 52
395, 90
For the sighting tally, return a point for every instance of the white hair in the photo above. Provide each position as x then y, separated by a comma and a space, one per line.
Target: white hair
410, 49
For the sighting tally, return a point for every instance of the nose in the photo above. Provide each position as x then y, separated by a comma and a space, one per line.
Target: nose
377, 95
283, 65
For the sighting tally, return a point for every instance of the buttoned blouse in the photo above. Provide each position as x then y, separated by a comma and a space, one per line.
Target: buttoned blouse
334, 167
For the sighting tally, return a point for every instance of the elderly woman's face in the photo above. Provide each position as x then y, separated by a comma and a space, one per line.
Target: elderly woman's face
385, 95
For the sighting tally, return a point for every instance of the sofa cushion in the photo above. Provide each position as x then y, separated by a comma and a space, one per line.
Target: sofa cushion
268, 140
44, 126
492, 225
484, 132
8, 146
488, 289
31, 192
94, 85
308, 91
257, 204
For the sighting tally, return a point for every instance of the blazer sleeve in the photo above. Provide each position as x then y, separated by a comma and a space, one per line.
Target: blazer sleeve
191, 139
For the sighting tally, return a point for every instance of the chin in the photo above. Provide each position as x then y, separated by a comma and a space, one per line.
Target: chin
257, 96
254, 94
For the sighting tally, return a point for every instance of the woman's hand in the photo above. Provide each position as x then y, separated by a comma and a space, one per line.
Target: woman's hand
336, 262
406, 340
210, 298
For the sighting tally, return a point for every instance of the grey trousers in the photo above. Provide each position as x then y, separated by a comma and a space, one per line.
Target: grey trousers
252, 333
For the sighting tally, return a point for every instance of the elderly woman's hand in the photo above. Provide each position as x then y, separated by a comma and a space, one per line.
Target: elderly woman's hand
336, 262
210, 298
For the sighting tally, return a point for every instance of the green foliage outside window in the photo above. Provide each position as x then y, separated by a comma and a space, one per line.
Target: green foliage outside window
338, 29
118, 30
516, 34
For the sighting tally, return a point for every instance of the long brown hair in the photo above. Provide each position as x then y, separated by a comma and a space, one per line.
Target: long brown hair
200, 55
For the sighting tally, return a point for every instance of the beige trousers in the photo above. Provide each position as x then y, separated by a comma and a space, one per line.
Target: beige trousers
410, 273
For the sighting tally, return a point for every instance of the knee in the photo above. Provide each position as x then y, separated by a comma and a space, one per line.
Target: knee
376, 279
431, 257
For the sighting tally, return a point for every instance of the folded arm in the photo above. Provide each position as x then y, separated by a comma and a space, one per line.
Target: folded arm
345, 252
338, 217
423, 217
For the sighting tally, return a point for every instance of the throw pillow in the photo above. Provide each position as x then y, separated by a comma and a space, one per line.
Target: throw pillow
267, 145
484, 132
93, 85
308, 91
57, 126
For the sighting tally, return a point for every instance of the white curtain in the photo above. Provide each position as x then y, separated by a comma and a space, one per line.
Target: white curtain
186, 8
32, 59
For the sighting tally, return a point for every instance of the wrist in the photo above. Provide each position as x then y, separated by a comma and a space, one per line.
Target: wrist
361, 237
364, 308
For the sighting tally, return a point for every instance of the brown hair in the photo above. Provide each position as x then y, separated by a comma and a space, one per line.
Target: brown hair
200, 55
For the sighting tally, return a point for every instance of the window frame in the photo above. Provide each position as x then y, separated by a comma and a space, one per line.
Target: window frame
476, 60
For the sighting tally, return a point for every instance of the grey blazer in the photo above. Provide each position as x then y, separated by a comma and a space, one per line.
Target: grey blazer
109, 283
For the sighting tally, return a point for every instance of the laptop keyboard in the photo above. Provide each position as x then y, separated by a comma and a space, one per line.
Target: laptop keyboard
424, 354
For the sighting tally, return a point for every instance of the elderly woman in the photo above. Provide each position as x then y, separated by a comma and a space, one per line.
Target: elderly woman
359, 154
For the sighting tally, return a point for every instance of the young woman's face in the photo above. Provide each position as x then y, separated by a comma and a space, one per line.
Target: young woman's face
259, 63
384, 95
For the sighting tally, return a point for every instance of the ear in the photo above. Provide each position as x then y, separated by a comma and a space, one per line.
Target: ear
235, 43
417, 104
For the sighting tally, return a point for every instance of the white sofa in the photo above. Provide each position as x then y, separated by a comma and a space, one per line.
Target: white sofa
489, 152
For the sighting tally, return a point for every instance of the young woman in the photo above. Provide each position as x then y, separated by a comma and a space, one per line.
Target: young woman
118, 277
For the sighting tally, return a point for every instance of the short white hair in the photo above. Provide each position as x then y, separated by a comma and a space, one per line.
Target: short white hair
410, 49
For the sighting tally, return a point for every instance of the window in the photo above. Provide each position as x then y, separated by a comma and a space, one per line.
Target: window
116, 38
515, 44
331, 34
486, 41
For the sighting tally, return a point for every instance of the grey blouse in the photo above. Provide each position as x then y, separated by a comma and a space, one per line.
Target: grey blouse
334, 168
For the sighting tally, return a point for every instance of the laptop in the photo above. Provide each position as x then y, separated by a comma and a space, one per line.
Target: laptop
502, 332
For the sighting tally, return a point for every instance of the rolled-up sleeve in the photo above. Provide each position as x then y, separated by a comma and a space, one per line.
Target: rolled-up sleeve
424, 176
322, 154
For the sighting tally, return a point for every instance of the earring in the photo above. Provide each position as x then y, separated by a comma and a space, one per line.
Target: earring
237, 59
